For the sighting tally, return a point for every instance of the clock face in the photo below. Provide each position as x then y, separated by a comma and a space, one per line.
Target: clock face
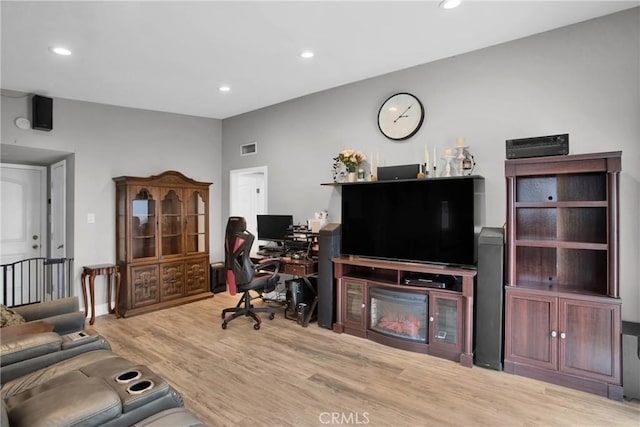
400, 116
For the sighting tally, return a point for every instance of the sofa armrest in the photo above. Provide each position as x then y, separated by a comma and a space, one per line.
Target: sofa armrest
19, 368
23, 347
46, 309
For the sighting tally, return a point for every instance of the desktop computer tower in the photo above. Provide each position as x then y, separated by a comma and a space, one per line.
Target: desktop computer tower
329, 243
297, 293
218, 277
489, 296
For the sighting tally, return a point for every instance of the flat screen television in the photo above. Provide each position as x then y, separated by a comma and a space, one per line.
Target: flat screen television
274, 228
433, 220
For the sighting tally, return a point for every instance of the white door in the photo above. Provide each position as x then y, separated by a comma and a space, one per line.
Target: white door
22, 218
248, 196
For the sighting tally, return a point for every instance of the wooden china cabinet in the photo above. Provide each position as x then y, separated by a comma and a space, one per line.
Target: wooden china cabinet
563, 309
162, 241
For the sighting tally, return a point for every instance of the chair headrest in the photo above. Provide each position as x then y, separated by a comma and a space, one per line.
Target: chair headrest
236, 224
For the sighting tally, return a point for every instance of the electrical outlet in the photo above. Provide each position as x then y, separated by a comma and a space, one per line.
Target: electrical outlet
91, 218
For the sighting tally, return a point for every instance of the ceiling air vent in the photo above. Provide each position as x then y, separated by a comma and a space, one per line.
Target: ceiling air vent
248, 149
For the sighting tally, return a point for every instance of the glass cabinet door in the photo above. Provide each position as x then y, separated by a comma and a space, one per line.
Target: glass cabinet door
171, 223
196, 236
143, 225
354, 303
445, 320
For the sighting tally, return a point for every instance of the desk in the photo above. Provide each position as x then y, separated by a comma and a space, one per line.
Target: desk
304, 269
91, 271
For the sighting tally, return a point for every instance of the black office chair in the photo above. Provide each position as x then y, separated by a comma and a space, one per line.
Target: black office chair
243, 276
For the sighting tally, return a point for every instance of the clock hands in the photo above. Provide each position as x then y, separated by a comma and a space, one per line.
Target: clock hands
402, 114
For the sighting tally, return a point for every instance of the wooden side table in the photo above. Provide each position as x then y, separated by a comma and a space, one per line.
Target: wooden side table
109, 270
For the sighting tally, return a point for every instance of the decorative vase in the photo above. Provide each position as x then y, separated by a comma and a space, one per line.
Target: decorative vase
352, 176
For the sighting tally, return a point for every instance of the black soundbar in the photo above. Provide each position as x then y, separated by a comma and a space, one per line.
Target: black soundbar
540, 146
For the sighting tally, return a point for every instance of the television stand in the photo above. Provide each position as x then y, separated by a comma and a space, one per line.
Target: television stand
374, 301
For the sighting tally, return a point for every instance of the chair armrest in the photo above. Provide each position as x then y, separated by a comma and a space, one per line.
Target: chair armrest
268, 264
46, 309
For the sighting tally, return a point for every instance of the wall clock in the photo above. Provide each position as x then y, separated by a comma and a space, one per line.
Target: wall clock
400, 116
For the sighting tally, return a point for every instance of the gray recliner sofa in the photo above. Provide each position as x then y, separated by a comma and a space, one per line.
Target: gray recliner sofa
64, 314
71, 378
96, 388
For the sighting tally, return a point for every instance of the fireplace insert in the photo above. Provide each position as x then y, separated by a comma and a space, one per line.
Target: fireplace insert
399, 314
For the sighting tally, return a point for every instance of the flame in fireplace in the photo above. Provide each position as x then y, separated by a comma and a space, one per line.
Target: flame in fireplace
400, 323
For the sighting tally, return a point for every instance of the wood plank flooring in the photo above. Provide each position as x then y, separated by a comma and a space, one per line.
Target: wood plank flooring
287, 375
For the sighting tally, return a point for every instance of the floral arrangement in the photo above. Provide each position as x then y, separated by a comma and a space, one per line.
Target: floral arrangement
350, 159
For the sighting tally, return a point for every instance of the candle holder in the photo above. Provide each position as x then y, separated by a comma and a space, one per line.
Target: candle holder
460, 157
449, 168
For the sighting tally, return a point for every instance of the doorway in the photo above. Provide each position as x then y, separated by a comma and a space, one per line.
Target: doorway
248, 196
35, 191
24, 212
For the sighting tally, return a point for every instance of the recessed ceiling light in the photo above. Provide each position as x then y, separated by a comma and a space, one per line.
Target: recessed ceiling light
224, 88
449, 4
306, 54
60, 50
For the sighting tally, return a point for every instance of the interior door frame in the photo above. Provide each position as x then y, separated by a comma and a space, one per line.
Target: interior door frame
58, 217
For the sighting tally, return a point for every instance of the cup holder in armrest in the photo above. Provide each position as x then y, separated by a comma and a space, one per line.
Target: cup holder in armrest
127, 376
140, 387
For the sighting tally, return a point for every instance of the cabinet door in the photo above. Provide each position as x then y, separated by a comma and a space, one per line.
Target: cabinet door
143, 205
590, 339
354, 303
196, 209
172, 280
144, 289
171, 226
531, 329
445, 321
196, 276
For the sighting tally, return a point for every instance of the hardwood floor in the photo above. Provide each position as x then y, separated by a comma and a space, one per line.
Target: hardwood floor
287, 375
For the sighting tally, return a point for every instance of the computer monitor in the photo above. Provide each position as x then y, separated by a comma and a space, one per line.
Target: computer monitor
275, 228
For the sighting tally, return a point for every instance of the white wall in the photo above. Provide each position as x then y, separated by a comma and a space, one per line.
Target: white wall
110, 141
582, 80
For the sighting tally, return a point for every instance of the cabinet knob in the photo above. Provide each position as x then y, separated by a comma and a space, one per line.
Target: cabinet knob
563, 335
363, 306
431, 319
554, 334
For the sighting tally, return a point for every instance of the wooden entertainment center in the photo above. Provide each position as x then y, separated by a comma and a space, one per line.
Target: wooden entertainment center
406, 277
448, 324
